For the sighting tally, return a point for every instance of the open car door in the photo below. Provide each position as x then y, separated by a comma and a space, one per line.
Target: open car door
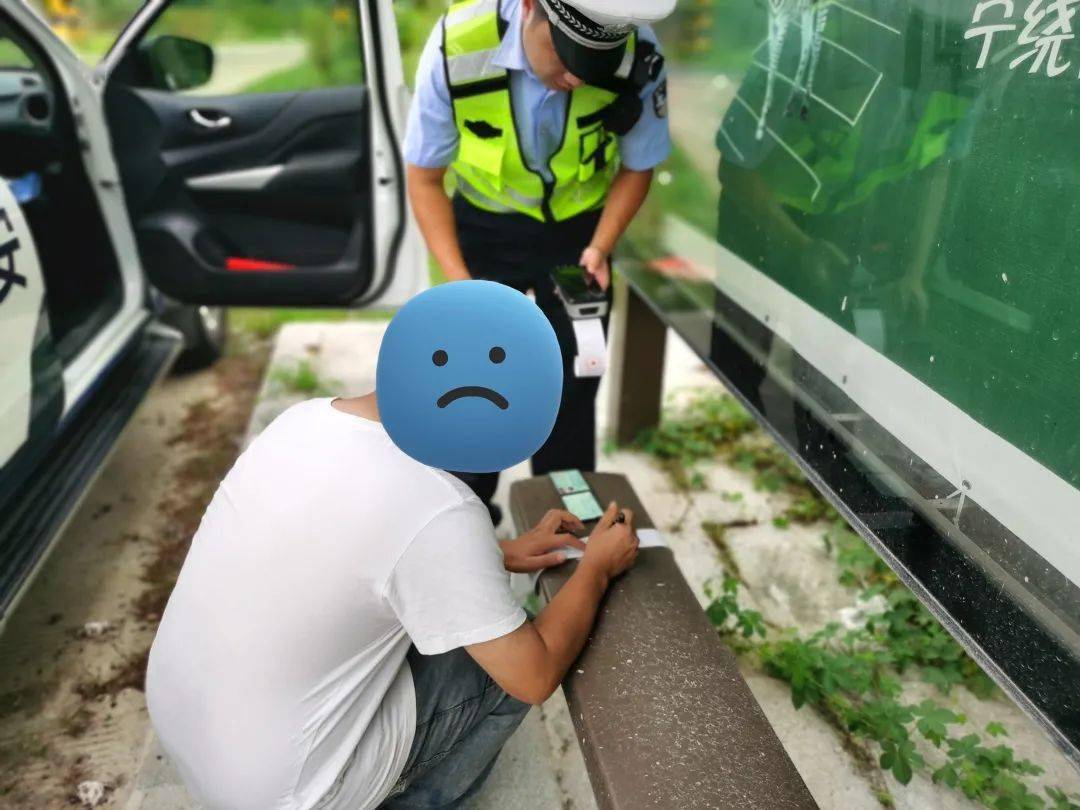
258, 148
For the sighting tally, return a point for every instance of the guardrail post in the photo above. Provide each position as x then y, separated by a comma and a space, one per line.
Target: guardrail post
636, 373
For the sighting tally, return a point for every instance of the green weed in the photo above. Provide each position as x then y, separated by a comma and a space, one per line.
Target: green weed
715, 426
853, 678
704, 427
300, 379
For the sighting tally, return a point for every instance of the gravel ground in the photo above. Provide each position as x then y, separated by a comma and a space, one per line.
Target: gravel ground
72, 659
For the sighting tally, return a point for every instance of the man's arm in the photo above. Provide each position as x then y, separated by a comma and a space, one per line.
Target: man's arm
530, 662
435, 216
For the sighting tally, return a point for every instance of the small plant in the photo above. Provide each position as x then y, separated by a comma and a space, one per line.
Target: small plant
725, 605
851, 677
704, 427
300, 379
710, 426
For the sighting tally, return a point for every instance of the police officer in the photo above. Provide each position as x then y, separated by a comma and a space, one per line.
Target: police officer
552, 115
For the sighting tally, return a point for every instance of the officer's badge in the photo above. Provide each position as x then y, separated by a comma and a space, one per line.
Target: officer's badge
659, 100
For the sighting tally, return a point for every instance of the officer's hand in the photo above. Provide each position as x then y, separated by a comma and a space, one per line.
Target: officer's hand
595, 262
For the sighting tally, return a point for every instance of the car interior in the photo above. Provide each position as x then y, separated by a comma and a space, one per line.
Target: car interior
221, 187
40, 158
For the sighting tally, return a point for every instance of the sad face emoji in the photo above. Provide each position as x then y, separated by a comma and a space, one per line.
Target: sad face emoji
469, 377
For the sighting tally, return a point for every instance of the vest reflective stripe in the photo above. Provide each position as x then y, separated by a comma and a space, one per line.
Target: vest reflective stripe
489, 168
472, 67
522, 199
479, 199
623, 71
468, 27
463, 12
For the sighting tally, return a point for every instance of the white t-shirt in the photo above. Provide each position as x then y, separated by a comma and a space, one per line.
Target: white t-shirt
278, 673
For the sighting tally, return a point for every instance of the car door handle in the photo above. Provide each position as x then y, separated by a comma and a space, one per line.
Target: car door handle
213, 120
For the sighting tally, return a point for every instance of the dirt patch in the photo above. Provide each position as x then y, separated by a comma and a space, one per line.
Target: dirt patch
73, 658
129, 673
209, 437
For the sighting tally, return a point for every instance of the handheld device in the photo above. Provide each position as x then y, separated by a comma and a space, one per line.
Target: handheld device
579, 292
576, 495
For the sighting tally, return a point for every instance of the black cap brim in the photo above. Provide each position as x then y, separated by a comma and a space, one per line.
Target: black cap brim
591, 65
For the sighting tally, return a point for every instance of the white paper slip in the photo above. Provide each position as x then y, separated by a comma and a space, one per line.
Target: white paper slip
591, 359
647, 538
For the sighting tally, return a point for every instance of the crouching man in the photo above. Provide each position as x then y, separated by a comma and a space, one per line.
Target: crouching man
342, 634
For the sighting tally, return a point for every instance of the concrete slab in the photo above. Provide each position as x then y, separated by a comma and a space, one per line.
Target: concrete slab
170, 796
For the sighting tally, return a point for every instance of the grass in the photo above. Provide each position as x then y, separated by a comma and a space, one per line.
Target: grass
330, 29
415, 21
12, 56
715, 426
264, 323
850, 677
333, 55
301, 379
307, 76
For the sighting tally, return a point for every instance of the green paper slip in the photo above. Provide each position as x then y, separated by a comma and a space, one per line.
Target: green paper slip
583, 506
569, 481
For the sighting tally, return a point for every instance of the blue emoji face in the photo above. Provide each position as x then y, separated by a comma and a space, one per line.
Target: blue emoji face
469, 377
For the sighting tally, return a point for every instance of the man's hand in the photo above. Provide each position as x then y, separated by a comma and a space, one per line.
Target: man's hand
595, 262
539, 547
612, 546
530, 662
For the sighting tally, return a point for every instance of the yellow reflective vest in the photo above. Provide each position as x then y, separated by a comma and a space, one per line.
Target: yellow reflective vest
490, 170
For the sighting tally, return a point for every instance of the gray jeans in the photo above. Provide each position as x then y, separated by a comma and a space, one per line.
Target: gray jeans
463, 718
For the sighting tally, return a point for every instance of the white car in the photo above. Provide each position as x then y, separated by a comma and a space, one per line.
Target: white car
125, 193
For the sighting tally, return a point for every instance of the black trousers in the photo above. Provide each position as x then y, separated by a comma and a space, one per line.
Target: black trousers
520, 252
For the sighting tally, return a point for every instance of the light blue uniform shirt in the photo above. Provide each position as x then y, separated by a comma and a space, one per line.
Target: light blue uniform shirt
431, 136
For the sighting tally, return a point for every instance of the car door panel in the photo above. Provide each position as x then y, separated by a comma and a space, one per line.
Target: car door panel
283, 186
264, 198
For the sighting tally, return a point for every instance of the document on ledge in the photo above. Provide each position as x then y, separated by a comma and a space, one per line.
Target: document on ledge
647, 538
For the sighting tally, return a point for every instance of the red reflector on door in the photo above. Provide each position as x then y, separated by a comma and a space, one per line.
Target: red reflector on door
241, 265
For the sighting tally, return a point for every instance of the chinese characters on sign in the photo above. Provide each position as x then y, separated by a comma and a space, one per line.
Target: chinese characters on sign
1037, 36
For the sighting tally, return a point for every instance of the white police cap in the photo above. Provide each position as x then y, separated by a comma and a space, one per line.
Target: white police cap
590, 35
